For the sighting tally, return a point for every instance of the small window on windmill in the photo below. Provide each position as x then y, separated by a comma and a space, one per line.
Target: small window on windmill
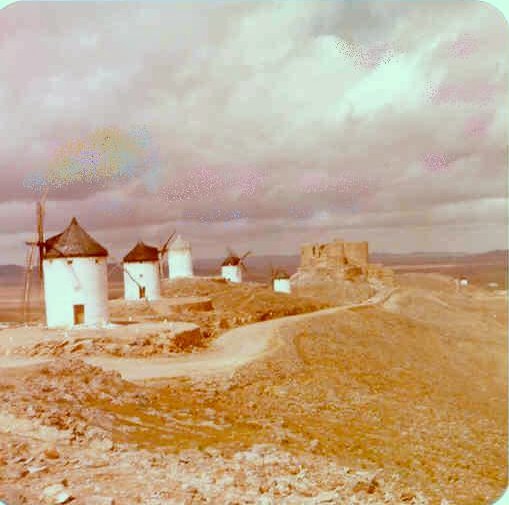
69, 262
97, 260
141, 275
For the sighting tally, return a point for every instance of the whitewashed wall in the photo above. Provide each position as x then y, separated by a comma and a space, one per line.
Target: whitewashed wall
146, 273
282, 285
73, 281
180, 263
233, 273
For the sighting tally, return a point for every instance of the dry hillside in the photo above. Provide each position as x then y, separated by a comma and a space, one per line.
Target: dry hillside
232, 305
416, 387
404, 402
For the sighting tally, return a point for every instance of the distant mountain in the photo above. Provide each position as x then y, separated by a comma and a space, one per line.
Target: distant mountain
495, 257
258, 267
11, 274
498, 256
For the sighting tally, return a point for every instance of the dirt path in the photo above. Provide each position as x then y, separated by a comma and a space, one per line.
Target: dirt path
230, 351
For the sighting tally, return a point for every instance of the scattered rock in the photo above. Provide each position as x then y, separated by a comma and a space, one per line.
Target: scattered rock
367, 487
63, 497
12, 496
51, 453
100, 500
56, 494
36, 469
102, 444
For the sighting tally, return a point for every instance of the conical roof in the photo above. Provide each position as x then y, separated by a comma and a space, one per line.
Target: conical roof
281, 274
73, 242
231, 260
179, 244
142, 252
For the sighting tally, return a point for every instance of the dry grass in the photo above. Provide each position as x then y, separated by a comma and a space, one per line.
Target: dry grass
375, 389
235, 304
416, 387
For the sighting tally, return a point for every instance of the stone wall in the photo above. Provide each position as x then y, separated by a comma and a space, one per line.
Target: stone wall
334, 255
357, 253
342, 260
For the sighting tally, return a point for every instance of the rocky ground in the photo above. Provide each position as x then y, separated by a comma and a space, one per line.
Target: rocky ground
158, 340
333, 288
401, 403
208, 306
264, 474
229, 305
67, 450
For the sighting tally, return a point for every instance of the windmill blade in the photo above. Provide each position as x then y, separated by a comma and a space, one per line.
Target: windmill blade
28, 280
40, 235
131, 277
44, 196
244, 268
164, 248
272, 273
245, 255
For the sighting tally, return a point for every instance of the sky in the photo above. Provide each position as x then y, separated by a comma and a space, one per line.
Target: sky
255, 124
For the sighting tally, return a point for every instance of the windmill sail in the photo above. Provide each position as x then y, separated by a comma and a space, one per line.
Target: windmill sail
28, 281
162, 251
40, 232
38, 244
164, 247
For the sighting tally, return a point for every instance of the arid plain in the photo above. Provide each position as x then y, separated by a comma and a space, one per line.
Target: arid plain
376, 394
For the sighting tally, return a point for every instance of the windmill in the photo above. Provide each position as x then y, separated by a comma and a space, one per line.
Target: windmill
141, 273
141, 289
38, 244
163, 250
280, 280
120, 266
233, 266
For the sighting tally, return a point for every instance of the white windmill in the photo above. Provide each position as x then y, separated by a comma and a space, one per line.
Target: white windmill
280, 280
233, 266
180, 261
141, 273
75, 279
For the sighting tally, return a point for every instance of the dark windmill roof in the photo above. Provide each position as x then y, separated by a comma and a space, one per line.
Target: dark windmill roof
281, 274
73, 242
231, 260
142, 252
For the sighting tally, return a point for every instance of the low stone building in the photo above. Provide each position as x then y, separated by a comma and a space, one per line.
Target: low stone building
340, 259
334, 255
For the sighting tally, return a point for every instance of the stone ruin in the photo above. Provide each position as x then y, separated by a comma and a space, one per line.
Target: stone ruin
341, 259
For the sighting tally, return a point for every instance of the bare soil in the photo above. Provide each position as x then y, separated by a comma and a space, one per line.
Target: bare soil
402, 402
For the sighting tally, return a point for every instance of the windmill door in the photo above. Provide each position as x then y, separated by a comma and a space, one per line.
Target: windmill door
79, 314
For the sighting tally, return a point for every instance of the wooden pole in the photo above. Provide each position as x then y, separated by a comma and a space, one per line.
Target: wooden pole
28, 277
40, 238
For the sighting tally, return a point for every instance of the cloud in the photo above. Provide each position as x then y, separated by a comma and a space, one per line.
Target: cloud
256, 117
